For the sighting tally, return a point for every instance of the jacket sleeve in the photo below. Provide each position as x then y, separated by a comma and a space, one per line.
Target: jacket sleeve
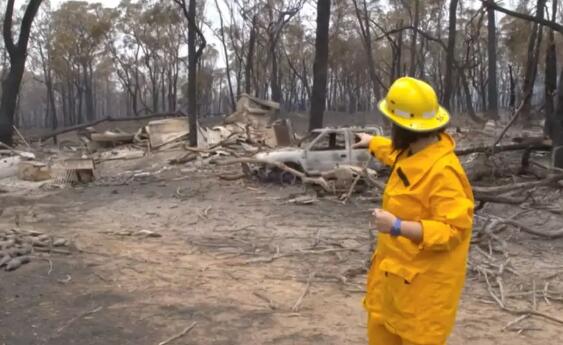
452, 212
380, 148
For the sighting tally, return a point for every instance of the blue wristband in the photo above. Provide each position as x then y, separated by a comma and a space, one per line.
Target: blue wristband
396, 228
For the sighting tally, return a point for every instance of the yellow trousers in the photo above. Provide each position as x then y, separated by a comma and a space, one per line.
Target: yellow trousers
378, 334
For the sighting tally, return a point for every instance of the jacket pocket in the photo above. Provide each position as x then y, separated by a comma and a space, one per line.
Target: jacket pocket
439, 297
399, 298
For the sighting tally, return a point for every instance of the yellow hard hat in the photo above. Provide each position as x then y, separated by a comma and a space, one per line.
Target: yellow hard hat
413, 105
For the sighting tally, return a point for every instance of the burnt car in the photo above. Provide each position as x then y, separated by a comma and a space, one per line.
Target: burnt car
325, 149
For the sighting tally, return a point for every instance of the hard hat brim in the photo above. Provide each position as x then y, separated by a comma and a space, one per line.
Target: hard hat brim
440, 120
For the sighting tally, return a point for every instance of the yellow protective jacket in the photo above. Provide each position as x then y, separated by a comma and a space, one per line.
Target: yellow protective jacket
414, 289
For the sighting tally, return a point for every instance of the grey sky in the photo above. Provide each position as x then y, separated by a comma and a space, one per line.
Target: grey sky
210, 13
107, 3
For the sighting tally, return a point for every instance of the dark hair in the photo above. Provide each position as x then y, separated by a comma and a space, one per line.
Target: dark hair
403, 138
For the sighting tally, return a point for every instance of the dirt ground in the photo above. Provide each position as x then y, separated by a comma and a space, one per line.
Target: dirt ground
238, 260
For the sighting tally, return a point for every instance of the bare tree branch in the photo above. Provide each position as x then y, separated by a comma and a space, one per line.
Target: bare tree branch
550, 24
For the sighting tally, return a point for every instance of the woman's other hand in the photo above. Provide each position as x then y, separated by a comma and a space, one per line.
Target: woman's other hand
383, 220
364, 140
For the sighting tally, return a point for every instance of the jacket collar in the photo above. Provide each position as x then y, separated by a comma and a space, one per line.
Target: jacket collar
414, 167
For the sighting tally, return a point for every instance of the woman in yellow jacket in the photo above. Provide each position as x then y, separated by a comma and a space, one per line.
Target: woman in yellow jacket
424, 227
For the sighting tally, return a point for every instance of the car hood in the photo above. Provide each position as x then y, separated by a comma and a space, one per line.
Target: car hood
283, 153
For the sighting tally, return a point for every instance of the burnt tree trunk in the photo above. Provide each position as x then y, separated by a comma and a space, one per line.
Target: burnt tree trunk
421, 73
512, 100
54, 123
275, 82
492, 112
412, 70
250, 57
194, 54
399, 57
448, 79
226, 52
52, 120
468, 100
80, 96
320, 68
363, 20
550, 79
532, 62
17, 53
89, 94
557, 127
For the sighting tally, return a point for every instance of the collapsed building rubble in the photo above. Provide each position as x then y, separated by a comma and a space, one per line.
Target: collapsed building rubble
249, 130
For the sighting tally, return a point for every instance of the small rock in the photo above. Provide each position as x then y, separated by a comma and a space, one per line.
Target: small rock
25, 250
37, 242
16, 263
7, 244
5, 260
147, 233
44, 237
123, 233
60, 242
21, 251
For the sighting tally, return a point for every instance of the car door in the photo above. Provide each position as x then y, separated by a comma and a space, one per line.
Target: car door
327, 151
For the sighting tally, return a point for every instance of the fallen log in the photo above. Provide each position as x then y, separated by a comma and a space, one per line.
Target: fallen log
190, 157
503, 148
514, 186
550, 235
499, 199
106, 119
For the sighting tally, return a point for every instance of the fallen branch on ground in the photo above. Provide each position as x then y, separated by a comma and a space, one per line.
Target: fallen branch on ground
513, 322
548, 168
351, 190
179, 335
76, 318
20, 135
512, 120
232, 177
264, 298
357, 179
297, 304
516, 311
